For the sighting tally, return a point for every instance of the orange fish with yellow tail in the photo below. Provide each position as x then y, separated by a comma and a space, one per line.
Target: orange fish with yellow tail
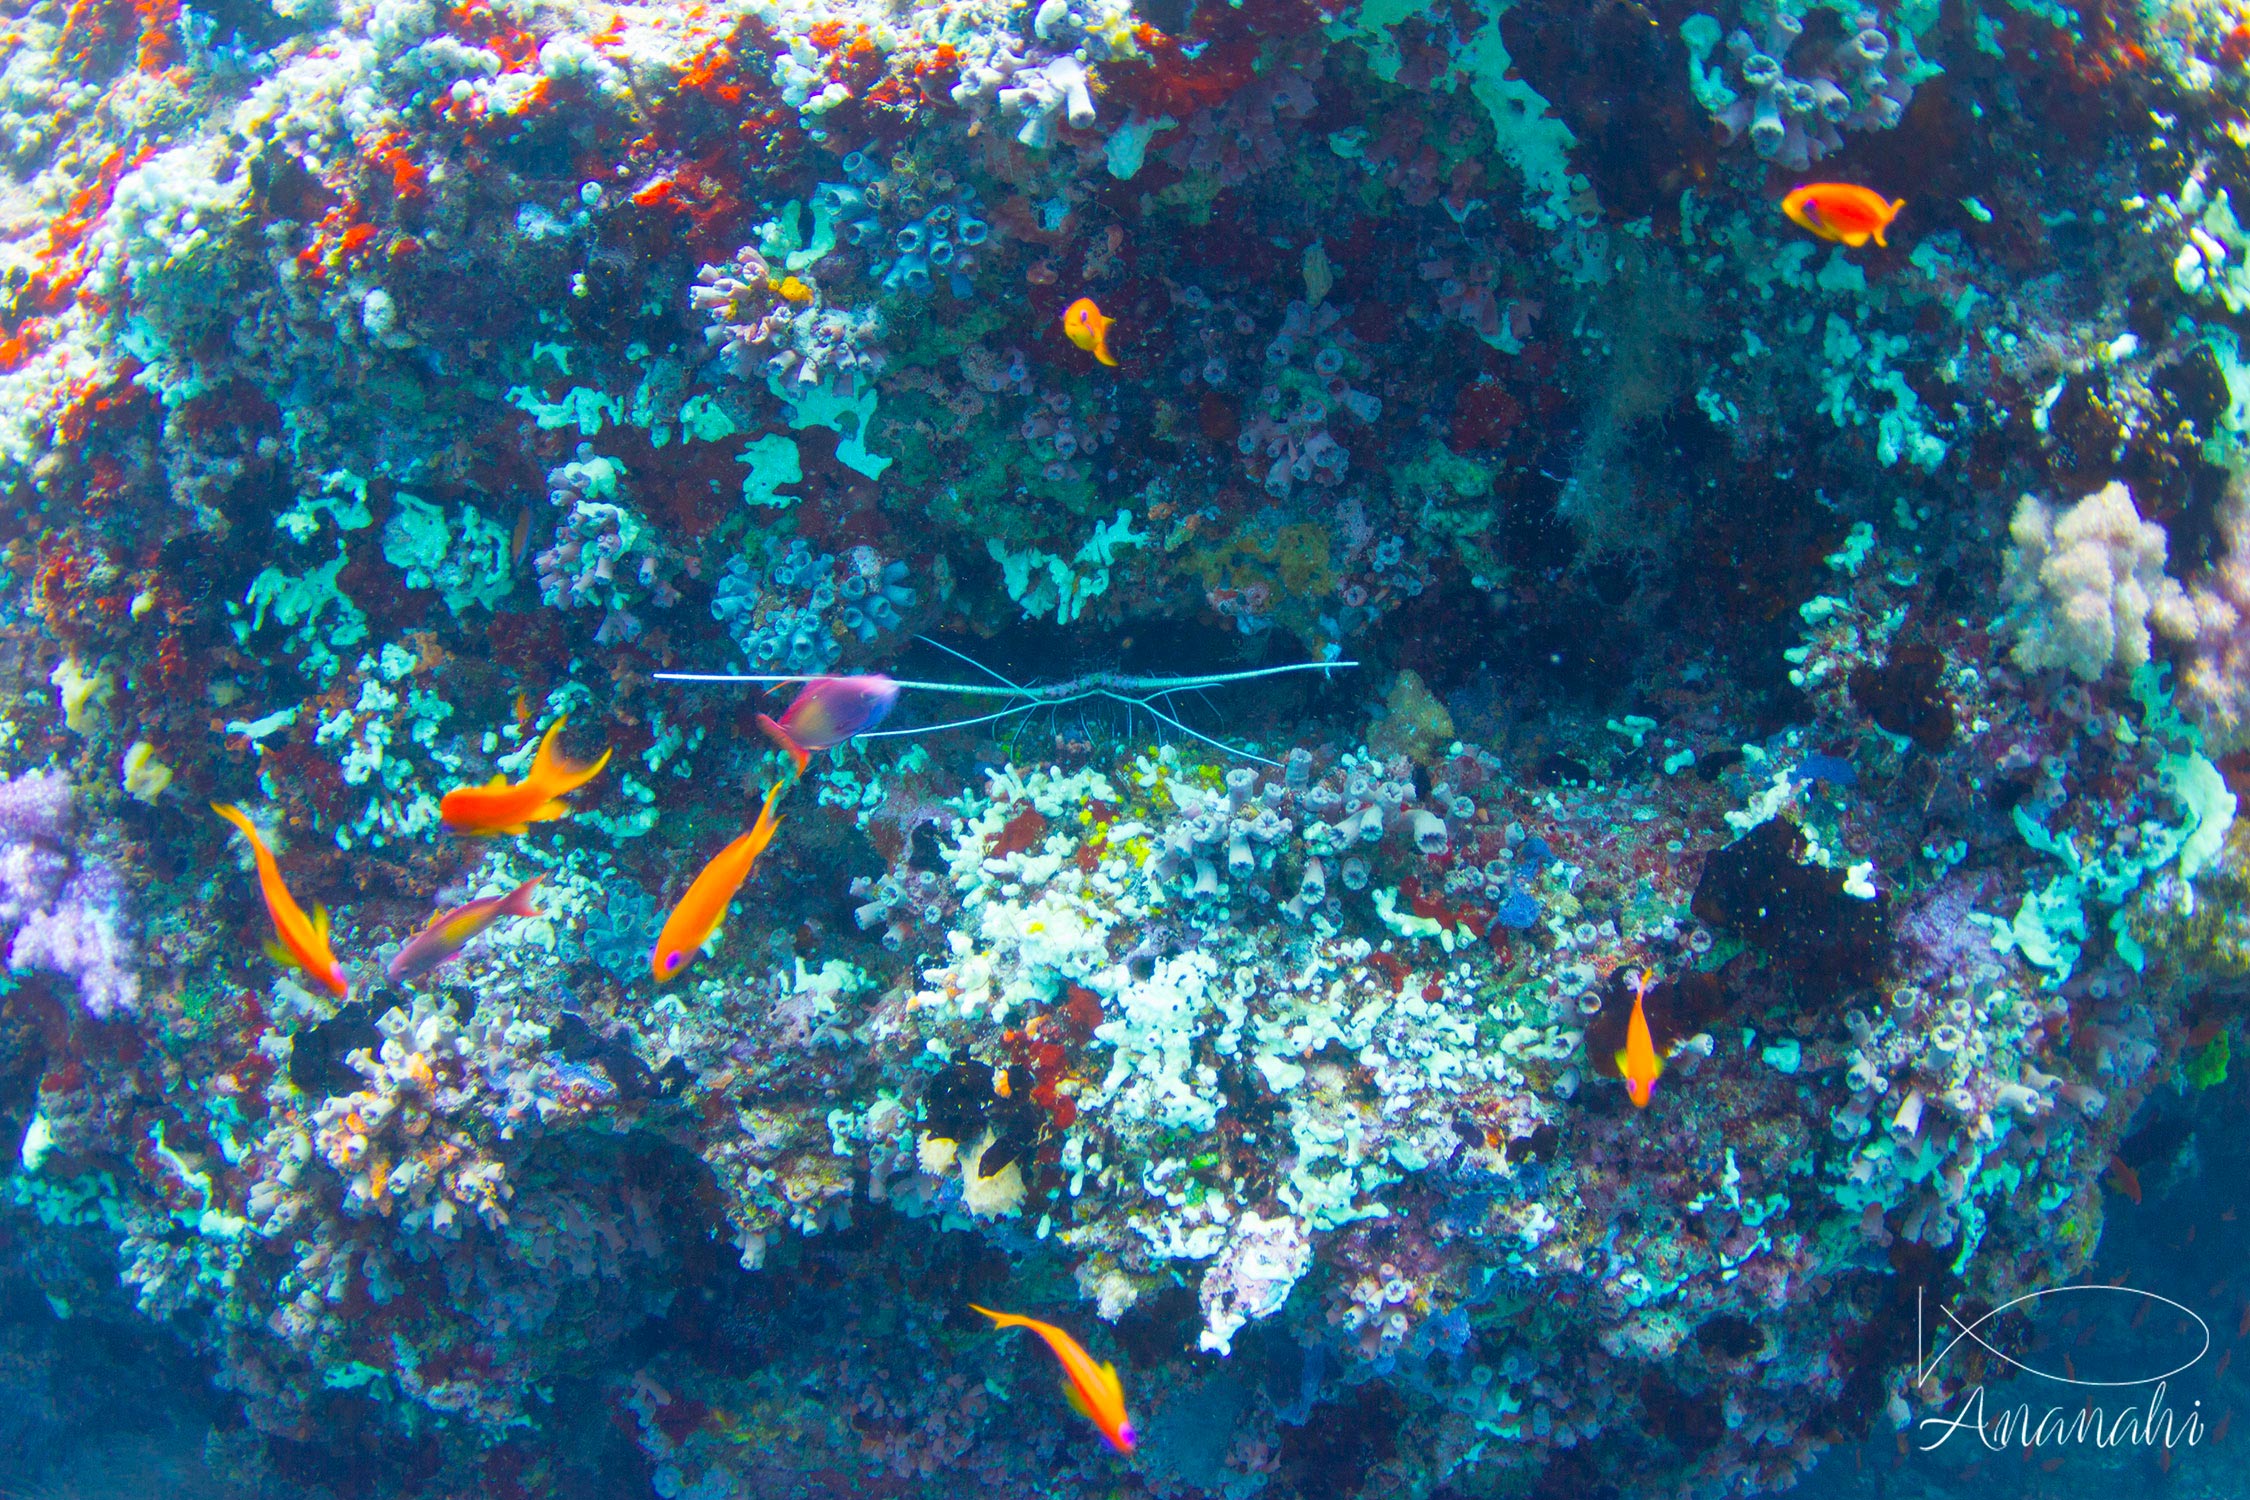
299, 941
1093, 1391
705, 904
1842, 211
1637, 1062
500, 807
1085, 326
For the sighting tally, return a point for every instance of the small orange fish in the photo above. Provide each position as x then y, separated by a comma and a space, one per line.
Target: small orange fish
1842, 211
1638, 1063
705, 904
497, 807
519, 540
303, 941
1094, 1391
2127, 1180
1088, 329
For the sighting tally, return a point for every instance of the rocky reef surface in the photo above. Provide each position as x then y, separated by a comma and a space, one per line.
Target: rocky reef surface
1833, 657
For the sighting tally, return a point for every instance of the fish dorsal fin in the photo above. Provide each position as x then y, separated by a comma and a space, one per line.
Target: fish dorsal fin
497, 783
1077, 1399
320, 922
1110, 1382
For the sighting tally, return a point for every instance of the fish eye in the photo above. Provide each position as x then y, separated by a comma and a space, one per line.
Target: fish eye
671, 960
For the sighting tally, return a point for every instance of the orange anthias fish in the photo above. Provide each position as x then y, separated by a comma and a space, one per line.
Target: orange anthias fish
498, 807
1842, 211
449, 931
705, 903
1088, 329
1093, 1390
1638, 1063
303, 941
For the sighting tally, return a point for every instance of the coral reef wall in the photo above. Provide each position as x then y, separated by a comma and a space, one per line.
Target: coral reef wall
1827, 658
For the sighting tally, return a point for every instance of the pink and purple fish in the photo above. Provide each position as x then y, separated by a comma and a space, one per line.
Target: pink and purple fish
828, 711
449, 931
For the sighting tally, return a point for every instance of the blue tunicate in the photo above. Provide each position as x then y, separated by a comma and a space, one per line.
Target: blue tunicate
909, 239
1834, 770
960, 285
824, 596
863, 231
856, 622
908, 272
942, 253
854, 587
1520, 911
971, 231
836, 197
620, 932
1535, 855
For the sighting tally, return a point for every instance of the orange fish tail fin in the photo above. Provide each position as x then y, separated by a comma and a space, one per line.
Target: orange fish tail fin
549, 769
1001, 1319
238, 818
518, 903
798, 755
762, 831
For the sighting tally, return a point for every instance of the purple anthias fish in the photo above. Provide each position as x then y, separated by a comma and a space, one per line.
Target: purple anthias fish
449, 931
828, 711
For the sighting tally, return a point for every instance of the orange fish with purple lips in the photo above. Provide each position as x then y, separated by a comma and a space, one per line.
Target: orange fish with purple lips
449, 931
1842, 211
705, 904
299, 941
1085, 326
501, 807
1094, 1391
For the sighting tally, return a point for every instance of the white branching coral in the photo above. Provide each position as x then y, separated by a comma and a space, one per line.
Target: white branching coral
2086, 584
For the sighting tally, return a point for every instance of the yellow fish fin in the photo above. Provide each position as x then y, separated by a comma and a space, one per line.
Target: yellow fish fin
547, 812
550, 770
1622, 1054
1110, 1382
320, 921
278, 954
497, 783
1077, 1400
514, 828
